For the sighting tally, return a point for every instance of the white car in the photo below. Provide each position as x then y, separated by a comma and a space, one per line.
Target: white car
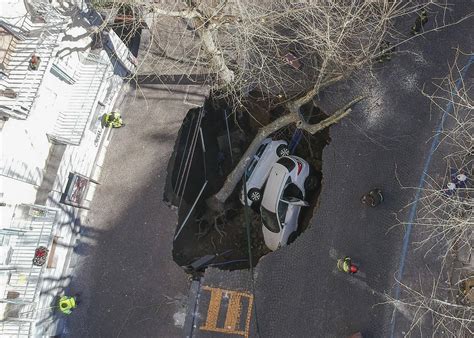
258, 169
282, 200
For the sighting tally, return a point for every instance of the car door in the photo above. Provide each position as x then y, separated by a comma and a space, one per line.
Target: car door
291, 194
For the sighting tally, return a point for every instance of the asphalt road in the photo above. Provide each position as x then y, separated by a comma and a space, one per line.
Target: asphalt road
384, 143
132, 288
123, 264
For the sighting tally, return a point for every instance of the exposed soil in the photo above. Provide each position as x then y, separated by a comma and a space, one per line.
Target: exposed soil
222, 242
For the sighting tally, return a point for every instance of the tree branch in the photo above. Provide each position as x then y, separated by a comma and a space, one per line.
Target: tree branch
216, 202
225, 75
295, 105
334, 118
185, 13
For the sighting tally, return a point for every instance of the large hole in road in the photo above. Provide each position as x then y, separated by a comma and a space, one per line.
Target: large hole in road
210, 143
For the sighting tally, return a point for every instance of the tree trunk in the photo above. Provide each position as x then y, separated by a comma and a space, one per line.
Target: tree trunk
204, 29
216, 202
225, 75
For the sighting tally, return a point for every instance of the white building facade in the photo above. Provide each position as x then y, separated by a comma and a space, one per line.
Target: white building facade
54, 90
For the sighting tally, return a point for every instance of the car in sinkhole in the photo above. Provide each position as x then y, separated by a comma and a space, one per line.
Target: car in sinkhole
284, 196
257, 171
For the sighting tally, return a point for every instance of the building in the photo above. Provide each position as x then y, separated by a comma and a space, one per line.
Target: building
56, 82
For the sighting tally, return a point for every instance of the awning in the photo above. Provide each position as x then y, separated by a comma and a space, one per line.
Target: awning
120, 51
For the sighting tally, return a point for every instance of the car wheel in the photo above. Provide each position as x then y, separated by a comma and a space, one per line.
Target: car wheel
293, 236
254, 195
283, 150
311, 183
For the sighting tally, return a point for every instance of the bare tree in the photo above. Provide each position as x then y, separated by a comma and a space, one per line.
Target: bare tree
289, 50
435, 307
444, 217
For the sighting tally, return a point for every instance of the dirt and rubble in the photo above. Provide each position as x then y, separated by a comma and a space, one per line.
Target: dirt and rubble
221, 240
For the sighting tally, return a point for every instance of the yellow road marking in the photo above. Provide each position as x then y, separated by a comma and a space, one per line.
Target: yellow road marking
213, 309
233, 314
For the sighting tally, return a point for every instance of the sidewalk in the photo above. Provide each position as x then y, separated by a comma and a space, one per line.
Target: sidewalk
85, 159
122, 263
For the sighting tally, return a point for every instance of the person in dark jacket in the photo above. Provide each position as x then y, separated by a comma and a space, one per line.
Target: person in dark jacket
373, 198
420, 21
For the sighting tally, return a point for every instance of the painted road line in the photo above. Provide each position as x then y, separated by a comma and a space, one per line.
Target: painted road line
434, 145
233, 316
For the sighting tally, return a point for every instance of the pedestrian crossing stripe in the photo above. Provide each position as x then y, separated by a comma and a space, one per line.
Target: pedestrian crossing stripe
236, 322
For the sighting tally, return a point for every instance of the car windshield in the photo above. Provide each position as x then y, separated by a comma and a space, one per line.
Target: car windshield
269, 220
251, 167
261, 149
287, 163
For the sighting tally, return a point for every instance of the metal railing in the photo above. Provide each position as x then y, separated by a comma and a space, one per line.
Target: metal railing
30, 228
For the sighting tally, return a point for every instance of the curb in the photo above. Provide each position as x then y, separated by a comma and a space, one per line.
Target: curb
193, 298
82, 213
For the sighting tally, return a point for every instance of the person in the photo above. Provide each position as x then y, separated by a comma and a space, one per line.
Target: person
113, 119
373, 198
67, 304
345, 265
386, 51
450, 189
460, 181
34, 62
420, 21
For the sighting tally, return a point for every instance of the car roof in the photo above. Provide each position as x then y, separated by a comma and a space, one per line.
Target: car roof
276, 179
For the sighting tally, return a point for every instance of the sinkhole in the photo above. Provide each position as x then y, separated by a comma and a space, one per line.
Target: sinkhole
210, 143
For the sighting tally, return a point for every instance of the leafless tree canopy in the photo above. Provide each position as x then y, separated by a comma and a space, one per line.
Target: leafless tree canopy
447, 217
444, 218
248, 45
282, 49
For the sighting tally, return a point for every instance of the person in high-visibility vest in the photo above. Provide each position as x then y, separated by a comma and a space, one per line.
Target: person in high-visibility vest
113, 119
67, 304
345, 265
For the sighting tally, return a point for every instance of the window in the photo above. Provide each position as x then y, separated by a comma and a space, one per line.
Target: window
251, 167
282, 209
255, 159
261, 149
269, 220
6, 39
287, 163
96, 119
292, 190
